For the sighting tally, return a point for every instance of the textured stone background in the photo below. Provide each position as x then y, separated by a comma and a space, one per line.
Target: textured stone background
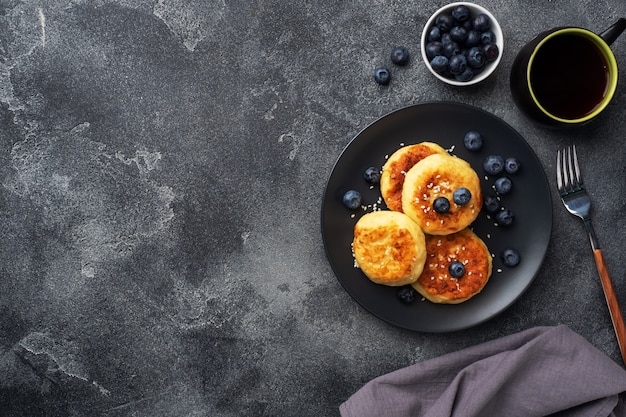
162, 166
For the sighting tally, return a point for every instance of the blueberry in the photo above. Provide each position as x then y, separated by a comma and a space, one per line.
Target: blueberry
492, 52
476, 57
482, 22
446, 39
458, 34
372, 175
487, 38
503, 185
493, 164
352, 199
473, 38
407, 294
433, 49
465, 75
461, 196
461, 13
441, 205
505, 217
444, 22
510, 257
434, 34
457, 64
451, 49
456, 269
473, 140
400, 55
382, 75
511, 165
439, 64
491, 204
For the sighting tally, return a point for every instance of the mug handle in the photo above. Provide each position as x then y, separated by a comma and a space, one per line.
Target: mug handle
614, 31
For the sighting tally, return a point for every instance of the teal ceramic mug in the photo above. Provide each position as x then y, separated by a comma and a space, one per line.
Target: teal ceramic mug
566, 76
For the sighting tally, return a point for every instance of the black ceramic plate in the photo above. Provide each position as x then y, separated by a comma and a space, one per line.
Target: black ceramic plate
446, 124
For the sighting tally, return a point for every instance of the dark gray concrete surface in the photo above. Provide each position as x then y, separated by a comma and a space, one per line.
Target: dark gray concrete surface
162, 167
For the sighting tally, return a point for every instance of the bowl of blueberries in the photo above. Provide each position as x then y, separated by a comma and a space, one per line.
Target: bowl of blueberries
462, 43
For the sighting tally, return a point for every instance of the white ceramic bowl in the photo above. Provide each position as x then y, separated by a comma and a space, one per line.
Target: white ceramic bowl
474, 11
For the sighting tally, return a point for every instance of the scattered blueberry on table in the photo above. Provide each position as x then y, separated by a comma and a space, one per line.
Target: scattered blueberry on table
400, 55
382, 75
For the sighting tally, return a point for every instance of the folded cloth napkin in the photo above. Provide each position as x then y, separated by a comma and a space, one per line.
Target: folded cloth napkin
543, 371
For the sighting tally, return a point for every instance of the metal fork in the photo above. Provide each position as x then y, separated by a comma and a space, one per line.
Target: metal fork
576, 200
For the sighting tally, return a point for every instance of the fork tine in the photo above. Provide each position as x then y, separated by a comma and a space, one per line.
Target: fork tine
559, 171
578, 179
570, 169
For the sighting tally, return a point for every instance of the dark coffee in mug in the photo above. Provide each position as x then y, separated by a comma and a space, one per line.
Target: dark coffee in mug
566, 76
569, 76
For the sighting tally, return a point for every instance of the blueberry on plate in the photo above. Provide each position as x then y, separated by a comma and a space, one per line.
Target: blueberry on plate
473, 140
482, 22
407, 294
456, 269
491, 204
400, 55
511, 165
505, 217
382, 75
461, 196
441, 205
510, 257
372, 175
352, 199
457, 64
493, 164
503, 185
439, 64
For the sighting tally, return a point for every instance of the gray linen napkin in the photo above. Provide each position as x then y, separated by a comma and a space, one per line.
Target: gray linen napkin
543, 371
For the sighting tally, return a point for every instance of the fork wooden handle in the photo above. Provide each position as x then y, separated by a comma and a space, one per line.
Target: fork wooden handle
611, 300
